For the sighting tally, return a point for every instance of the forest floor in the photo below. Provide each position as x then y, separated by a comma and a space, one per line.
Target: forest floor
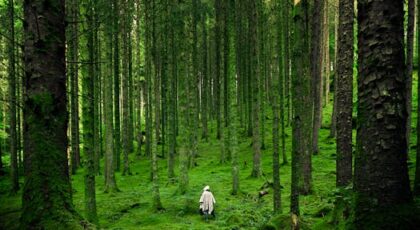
132, 207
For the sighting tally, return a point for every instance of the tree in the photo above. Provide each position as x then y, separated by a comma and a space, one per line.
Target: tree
409, 69
381, 173
302, 103
116, 48
73, 57
344, 92
45, 115
110, 182
12, 101
125, 89
316, 70
255, 75
416, 189
88, 111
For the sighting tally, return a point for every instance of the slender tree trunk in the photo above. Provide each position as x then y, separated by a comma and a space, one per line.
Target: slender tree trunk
73, 49
125, 90
12, 101
172, 95
344, 92
110, 182
333, 129
326, 56
381, 173
302, 103
88, 110
117, 131
409, 69
205, 77
316, 70
45, 115
255, 75
416, 189
218, 40
287, 78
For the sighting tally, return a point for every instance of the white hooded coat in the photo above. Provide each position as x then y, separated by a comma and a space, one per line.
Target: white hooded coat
207, 200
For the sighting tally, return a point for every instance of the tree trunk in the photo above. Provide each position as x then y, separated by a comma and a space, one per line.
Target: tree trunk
333, 128
416, 189
302, 103
205, 76
110, 182
73, 50
381, 174
409, 59
47, 190
316, 70
344, 92
125, 91
117, 130
255, 75
88, 110
12, 101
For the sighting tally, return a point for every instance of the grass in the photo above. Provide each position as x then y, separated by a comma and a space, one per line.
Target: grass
132, 207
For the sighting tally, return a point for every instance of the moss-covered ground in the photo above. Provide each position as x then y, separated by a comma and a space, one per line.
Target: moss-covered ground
131, 208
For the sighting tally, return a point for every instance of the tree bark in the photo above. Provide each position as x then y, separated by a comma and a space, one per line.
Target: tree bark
12, 101
409, 69
302, 103
381, 173
344, 92
46, 200
316, 69
255, 75
88, 110
117, 123
416, 189
110, 182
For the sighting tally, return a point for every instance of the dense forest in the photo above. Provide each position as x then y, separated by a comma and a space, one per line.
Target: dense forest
298, 114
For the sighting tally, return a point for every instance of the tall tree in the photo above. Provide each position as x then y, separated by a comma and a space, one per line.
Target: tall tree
344, 92
110, 182
216, 84
47, 191
116, 49
125, 88
416, 189
409, 69
255, 75
12, 100
173, 55
73, 66
381, 173
88, 111
316, 69
302, 103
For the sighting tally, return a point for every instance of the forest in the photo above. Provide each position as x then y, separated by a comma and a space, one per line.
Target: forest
285, 114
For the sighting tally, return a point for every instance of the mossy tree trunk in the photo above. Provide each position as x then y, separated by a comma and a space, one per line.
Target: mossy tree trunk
47, 196
88, 112
381, 173
255, 76
116, 48
12, 100
110, 182
173, 54
302, 103
316, 69
417, 173
73, 67
344, 92
409, 68
125, 89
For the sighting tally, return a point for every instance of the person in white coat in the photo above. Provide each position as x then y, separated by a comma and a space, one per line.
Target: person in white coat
207, 202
